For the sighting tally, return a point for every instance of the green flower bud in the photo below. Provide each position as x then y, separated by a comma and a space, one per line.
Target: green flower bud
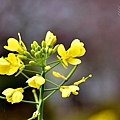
43, 44
35, 43
32, 46
27, 54
22, 57
32, 51
37, 48
50, 51
37, 54
32, 62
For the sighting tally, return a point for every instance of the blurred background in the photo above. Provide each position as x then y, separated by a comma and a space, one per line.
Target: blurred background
94, 22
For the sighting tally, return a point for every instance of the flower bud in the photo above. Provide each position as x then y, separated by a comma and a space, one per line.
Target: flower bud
43, 44
27, 54
47, 68
32, 62
37, 54
22, 57
33, 52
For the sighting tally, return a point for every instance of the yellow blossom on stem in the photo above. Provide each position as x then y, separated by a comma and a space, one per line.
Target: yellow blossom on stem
50, 39
13, 95
69, 57
10, 64
36, 81
67, 90
14, 45
58, 75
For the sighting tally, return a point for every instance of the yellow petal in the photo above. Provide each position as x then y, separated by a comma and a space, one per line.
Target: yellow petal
20, 90
8, 92
77, 48
12, 59
82, 51
13, 44
39, 81
9, 99
4, 65
31, 82
74, 61
4, 62
17, 97
58, 75
66, 93
61, 50
74, 89
21, 43
12, 70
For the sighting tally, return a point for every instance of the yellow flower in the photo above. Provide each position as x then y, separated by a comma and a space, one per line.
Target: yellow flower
69, 57
14, 45
13, 95
36, 81
67, 90
58, 75
10, 64
50, 39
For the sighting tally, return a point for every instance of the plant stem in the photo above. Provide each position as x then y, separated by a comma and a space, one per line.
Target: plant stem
41, 97
36, 72
24, 75
51, 89
35, 97
52, 82
25, 101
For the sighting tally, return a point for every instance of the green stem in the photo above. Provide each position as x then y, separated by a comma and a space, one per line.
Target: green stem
26, 87
41, 97
24, 75
35, 97
51, 89
25, 101
53, 62
36, 72
52, 82
53, 66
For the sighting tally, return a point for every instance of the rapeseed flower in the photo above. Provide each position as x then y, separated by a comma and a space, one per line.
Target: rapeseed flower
9, 65
13, 95
14, 45
36, 81
67, 90
69, 56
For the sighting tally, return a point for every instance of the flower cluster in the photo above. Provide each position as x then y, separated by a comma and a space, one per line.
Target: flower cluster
19, 59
